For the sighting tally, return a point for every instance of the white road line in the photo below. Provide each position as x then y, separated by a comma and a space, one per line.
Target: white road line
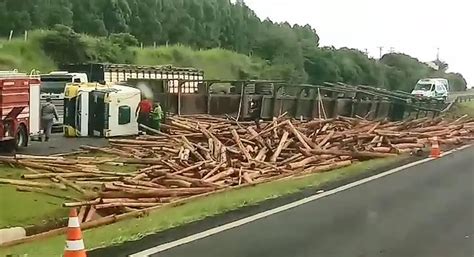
237, 223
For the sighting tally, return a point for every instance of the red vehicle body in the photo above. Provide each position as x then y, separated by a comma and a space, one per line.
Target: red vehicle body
15, 109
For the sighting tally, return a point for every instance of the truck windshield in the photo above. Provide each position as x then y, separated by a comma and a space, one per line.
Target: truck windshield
54, 85
423, 87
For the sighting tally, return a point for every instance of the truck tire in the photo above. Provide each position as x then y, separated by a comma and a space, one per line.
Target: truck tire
21, 139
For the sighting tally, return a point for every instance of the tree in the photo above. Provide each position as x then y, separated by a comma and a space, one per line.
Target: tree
123, 40
64, 45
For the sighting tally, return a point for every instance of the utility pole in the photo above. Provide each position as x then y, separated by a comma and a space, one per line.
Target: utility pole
380, 51
437, 54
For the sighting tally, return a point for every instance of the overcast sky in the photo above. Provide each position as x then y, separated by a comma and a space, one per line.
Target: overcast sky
415, 27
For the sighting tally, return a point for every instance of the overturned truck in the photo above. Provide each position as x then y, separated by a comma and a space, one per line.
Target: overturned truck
242, 99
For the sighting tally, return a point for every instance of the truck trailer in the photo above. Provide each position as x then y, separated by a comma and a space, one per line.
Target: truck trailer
117, 73
19, 109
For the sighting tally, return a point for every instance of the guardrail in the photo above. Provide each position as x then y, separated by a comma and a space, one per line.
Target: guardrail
464, 98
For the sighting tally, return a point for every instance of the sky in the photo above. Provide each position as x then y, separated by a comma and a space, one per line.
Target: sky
414, 27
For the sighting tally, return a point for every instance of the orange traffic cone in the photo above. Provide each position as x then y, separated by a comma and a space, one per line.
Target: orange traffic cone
74, 244
435, 150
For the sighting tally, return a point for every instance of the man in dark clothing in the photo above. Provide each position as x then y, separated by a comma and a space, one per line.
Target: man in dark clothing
48, 114
144, 111
255, 112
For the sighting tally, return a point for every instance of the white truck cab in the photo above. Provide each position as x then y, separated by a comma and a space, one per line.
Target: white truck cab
432, 88
96, 110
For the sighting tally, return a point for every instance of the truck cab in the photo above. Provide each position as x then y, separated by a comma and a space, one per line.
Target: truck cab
53, 85
431, 88
97, 110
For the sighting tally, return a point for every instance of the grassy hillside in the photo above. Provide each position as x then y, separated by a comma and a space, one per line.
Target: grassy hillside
217, 63
24, 56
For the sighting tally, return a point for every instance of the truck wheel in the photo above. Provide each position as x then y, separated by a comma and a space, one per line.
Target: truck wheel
21, 139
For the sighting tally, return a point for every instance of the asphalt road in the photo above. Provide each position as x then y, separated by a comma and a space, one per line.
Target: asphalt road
426, 210
60, 144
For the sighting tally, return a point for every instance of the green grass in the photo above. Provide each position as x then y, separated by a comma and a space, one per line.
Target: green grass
197, 209
47, 208
24, 56
24, 208
216, 63
460, 109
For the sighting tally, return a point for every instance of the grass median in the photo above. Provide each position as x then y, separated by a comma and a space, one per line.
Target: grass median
460, 109
198, 209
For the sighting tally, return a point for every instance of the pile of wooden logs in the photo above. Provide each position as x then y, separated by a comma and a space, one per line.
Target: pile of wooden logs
202, 154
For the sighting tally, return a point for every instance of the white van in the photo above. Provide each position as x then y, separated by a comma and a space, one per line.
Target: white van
432, 88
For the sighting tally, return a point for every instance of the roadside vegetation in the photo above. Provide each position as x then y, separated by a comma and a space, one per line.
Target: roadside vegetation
197, 209
460, 109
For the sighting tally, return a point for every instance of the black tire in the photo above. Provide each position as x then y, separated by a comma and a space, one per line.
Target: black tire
21, 139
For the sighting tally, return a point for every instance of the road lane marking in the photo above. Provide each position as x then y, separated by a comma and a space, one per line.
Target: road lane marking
238, 223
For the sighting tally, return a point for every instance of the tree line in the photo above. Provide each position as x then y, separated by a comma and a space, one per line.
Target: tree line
292, 51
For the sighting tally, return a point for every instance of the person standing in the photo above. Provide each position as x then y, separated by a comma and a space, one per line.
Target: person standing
144, 110
48, 114
157, 116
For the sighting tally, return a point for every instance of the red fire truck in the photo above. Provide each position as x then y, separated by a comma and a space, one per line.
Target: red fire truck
19, 109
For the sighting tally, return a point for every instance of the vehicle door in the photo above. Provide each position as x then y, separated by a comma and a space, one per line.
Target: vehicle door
99, 113
82, 114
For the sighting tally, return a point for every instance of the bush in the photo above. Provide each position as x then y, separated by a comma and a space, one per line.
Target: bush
123, 40
64, 45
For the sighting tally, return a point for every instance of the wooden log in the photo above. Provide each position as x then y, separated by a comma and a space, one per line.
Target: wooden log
299, 136
239, 143
38, 157
382, 149
326, 138
144, 161
130, 193
71, 185
125, 204
261, 156
108, 151
190, 168
176, 182
42, 191
141, 200
247, 178
194, 181
32, 184
404, 140
336, 165
355, 154
257, 136
90, 215
293, 158
214, 170
81, 203
302, 163
138, 187
38, 172
40, 166
142, 183
280, 147
82, 213
408, 145
64, 175
221, 175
